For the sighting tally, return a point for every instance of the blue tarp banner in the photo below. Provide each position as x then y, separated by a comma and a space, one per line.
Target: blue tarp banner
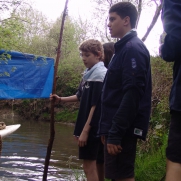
25, 76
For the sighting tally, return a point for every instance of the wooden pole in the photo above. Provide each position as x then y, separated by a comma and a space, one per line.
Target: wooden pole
0, 145
52, 129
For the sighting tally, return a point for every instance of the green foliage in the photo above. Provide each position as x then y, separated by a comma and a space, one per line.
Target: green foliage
11, 25
151, 165
70, 76
37, 28
162, 81
45, 115
26, 102
10, 33
5, 57
71, 66
66, 116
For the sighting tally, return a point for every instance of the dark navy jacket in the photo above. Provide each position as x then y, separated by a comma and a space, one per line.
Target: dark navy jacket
129, 71
171, 49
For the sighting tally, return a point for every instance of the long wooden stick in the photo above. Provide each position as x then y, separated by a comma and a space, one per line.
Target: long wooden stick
52, 129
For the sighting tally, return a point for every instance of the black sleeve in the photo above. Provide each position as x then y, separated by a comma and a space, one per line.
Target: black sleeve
124, 116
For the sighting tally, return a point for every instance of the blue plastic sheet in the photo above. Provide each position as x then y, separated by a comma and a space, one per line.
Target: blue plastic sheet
25, 76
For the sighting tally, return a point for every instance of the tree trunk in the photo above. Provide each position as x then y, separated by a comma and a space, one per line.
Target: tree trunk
139, 12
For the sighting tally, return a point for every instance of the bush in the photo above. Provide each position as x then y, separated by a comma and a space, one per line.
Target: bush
161, 85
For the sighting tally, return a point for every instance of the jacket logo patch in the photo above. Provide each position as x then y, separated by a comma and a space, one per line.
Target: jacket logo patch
87, 85
133, 61
138, 132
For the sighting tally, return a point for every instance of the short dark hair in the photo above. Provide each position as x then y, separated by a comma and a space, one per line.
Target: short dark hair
124, 9
108, 52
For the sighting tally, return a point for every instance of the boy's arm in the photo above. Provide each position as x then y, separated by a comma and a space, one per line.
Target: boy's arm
82, 141
73, 98
69, 99
122, 120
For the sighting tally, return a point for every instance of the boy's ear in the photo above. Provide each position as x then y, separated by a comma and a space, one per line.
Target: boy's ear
126, 20
99, 54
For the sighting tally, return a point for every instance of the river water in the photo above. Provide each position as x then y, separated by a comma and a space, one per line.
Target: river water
23, 152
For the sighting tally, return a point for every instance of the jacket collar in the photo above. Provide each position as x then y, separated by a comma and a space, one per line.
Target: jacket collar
125, 39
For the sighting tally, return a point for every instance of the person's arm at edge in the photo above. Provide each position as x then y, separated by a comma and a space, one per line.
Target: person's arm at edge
69, 99
82, 141
73, 98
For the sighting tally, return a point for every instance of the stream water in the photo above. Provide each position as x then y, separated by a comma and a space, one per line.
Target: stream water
23, 152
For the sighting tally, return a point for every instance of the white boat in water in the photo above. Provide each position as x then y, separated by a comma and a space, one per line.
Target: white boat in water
9, 130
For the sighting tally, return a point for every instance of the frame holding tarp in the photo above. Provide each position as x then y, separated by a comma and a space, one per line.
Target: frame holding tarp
25, 75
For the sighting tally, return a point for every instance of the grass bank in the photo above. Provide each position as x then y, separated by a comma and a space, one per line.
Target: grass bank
66, 116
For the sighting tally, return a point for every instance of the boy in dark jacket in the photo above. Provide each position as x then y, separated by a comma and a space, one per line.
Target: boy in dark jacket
171, 52
126, 97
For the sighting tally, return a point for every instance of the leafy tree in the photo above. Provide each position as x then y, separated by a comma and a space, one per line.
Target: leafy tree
11, 27
21, 26
70, 66
37, 28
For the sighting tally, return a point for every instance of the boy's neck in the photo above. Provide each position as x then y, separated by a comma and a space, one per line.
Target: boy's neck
129, 31
93, 65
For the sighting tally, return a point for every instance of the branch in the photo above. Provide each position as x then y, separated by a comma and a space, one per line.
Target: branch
155, 2
15, 18
110, 2
139, 12
154, 20
106, 29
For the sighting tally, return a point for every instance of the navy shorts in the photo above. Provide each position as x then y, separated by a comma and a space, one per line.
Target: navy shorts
121, 166
173, 151
92, 151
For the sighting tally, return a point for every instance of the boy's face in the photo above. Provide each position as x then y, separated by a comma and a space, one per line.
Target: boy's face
116, 25
89, 59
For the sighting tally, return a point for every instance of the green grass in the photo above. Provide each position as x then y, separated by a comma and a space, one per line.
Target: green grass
66, 116
151, 166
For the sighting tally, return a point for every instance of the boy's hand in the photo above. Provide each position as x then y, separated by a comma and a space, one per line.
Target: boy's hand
114, 149
55, 96
103, 139
83, 138
76, 138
